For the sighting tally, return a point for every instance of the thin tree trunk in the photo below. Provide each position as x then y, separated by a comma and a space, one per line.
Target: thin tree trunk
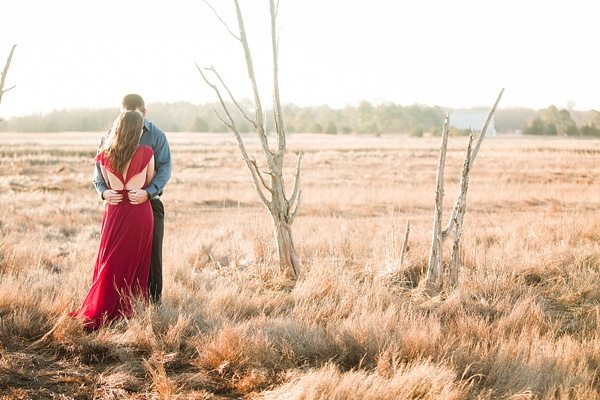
288, 259
434, 278
459, 216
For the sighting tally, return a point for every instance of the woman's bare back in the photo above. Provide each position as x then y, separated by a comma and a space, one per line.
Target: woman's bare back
138, 181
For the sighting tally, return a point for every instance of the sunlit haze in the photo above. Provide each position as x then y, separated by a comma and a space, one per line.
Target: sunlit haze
453, 54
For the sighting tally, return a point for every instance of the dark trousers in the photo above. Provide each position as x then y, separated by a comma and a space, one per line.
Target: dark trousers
155, 281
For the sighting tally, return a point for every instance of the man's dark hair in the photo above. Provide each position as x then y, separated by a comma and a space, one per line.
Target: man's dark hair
131, 102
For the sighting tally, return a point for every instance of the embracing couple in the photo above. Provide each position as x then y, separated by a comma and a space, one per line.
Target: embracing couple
133, 165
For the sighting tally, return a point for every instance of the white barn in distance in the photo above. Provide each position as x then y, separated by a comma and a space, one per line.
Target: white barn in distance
472, 119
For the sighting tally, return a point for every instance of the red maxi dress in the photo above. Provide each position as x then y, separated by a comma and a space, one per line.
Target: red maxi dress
123, 261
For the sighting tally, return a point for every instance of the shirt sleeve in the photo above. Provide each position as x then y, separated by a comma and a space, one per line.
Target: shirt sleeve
162, 165
98, 180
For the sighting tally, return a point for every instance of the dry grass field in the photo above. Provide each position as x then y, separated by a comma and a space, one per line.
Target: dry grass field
524, 322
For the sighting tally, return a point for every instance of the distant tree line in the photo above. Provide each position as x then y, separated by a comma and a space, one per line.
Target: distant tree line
555, 122
365, 118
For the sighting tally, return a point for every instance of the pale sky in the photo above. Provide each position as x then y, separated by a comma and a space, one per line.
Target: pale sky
460, 53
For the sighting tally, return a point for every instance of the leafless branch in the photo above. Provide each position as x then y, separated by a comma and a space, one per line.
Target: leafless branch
5, 72
257, 176
434, 278
295, 212
230, 123
250, 68
470, 159
461, 210
220, 19
277, 112
462, 189
404, 243
255, 165
235, 102
296, 187
484, 129
227, 124
296, 197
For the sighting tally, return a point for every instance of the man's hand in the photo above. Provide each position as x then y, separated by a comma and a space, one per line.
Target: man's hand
112, 196
137, 196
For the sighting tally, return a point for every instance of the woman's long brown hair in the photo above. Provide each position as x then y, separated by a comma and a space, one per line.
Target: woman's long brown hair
124, 139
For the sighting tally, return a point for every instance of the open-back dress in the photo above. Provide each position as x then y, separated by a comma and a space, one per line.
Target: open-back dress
123, 261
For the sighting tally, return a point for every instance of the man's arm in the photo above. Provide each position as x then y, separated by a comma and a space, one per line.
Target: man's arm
162, 160
99, 181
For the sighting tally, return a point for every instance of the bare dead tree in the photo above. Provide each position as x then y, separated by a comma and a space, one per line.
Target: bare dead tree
270, 184
435, 272
4, 72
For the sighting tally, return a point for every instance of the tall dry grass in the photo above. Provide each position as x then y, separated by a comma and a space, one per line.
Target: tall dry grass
522, 324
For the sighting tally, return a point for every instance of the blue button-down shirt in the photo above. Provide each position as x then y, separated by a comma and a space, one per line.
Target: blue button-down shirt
155, 138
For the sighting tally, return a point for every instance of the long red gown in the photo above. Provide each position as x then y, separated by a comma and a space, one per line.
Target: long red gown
123, 261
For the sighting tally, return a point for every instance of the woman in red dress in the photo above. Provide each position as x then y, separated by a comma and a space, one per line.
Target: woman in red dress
123, 261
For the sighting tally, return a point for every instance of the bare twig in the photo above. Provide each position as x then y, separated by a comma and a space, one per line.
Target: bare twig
296, 196
404, 243
484, 129
220, 19
227, 124
260, 128
255, 165
232, 97
471, 154
278, 114
462, 189
5, 72
296, 179
459, 216
230, 123
298, 202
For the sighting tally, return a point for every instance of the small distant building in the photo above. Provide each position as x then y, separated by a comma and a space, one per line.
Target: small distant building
472, 119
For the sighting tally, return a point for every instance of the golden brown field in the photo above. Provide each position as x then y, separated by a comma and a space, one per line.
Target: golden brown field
524, 322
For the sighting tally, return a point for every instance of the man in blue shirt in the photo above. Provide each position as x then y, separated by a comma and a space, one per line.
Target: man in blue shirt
154, 137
